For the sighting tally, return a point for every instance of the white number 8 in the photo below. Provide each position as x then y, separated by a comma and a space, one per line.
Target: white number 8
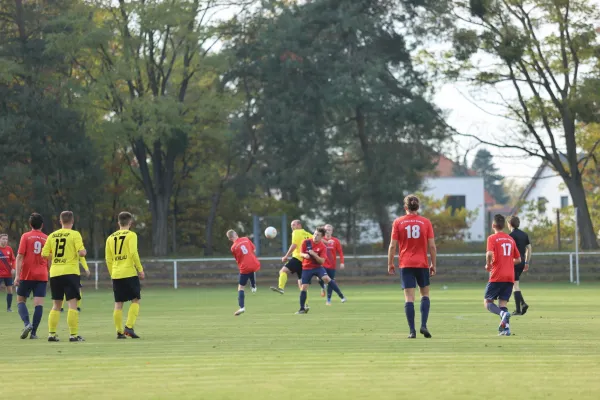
244, 249
37, 248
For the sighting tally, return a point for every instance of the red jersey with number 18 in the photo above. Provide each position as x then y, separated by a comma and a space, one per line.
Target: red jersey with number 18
505, 251
243, 251
413, 233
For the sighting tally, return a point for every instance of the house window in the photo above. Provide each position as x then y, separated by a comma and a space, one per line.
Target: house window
456, 202
541, 206
564, 201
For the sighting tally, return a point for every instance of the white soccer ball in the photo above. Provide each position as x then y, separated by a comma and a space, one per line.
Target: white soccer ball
270, 232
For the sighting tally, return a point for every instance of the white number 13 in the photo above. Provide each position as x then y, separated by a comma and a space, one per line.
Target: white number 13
507, 248
413, 231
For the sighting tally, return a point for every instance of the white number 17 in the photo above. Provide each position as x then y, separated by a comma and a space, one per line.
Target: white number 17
507, 247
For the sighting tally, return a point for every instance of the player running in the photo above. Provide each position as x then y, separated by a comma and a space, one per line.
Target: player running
501, 257
7, 269
414, 234
243, 251
64, 247
293, 265
31, 275
314, 253
125, 269
333, 248
524, 246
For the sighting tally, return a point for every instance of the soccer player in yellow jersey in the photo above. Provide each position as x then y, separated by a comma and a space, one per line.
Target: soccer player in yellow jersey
125, 268
293, 265
64, 247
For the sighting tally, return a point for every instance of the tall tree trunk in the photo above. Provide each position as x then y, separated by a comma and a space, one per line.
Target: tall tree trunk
378, 206
584, 219
210, 222
160, 225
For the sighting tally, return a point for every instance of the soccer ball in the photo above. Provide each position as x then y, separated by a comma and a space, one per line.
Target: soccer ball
270, 232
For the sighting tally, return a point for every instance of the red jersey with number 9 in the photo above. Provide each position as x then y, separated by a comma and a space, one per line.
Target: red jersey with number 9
34, 267
505, 251
413, 233
243, 251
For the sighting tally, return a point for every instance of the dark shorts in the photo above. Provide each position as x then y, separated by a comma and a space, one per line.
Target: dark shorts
518, 271
244, 278
498, 290
307, 274
7, 281
127, 289
38, 288
330, 272
295, 266
65, 286
411, 277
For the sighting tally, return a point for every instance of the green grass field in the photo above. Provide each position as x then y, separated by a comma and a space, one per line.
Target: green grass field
192, 347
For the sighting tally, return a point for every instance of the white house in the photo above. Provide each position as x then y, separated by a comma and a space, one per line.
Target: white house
548, 191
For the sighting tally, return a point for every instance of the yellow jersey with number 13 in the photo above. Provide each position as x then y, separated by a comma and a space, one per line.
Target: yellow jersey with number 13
121, 254
64, 246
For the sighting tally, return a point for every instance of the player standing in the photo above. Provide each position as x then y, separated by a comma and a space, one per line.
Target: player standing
125, 268
7, 269
524, 247
31, 275
414, 234
243, 251
63, 248
314, 253
293, 265
501, 257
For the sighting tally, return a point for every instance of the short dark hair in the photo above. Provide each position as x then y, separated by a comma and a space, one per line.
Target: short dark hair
125, 218
321, 230
514, 221
3, 234
66, 217
499, 221
36, 221
411, 202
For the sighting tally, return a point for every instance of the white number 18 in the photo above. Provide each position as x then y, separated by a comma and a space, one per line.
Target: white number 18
413, 231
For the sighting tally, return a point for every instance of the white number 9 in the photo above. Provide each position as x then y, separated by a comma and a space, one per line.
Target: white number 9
37, 247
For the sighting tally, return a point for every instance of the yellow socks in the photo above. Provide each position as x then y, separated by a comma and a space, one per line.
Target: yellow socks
53, 319
73, 322
282, 280
118, 318
134, 310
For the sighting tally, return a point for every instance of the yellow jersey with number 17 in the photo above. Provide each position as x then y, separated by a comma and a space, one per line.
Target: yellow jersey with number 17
64, 246
298, 237
121, 254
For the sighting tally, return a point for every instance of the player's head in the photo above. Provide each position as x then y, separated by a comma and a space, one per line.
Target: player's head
499, 222
296, 224
125, 219
319, 233
66, 218
36, 221
3, 240
232, 235
411, 203
328, 230
514, 222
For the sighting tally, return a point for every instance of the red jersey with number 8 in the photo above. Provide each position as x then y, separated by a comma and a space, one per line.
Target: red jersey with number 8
243, 251
34, 267
505, 251
413, 233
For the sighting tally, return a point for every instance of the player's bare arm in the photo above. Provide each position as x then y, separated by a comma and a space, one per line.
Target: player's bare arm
19, 264
433, 255
391, 254
528, 251
289, 252
517, 260
489, 257
82, 253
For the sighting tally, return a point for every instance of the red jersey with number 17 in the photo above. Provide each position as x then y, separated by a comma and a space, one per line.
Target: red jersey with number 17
505, 251
413, 233
34, 267
243, 251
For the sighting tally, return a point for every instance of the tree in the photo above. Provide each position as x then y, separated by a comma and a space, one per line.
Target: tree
534, 54
483, 164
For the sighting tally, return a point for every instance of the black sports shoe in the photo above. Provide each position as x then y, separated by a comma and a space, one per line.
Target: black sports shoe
121, 336
129, 332
425, 332
524, 309
62, 310
32, 336
79, 309
278, 290
302, 311
76, 339
26, 331
412, 335
53, 338
516, 313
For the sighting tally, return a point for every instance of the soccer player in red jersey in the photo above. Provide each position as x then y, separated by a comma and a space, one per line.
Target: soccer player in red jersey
7, 269
32, 275
333, 248
501, 256
243, 251
414, 234
314, 256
